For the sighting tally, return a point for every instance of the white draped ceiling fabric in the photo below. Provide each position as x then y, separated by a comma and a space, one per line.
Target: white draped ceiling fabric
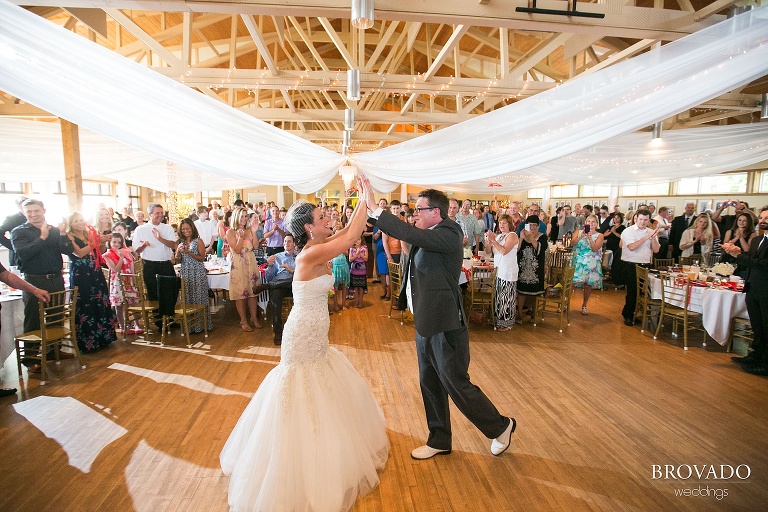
578, 132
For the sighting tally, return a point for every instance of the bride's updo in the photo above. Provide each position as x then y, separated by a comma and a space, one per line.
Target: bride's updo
299, 213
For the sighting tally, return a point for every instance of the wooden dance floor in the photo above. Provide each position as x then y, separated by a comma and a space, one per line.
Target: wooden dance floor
599, 408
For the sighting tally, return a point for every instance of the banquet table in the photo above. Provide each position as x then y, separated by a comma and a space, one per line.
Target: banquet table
468, 265
717, 307
13, 323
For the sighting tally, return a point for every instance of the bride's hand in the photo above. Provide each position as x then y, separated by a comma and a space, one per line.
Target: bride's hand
364, 185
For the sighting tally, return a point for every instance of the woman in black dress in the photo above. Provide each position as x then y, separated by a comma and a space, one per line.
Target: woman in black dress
530, 258
95, 318
612, 243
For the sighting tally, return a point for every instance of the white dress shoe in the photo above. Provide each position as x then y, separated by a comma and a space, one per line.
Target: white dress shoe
427, 452
501, 443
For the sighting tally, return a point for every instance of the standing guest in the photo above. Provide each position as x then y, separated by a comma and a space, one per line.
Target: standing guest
699, 238
190, 250
140, 219
756, 262
358, 256
742, 234
206, 229
553, 229
340, 271
531, 260
122, 230
370, 253
680, 224
274, 232
15, 281
504, 247
513, 210
639, 243
155, 242
382, 269
726, 222
278, 280
489, 222
11, 222
95, 319
613, 243
39, 247
392, 247
588, 259
430, 289
533, 210
347, 215
119, 260
244, 276
473, 230
103, 224
664, 226
566, 223
604, 220
222, 228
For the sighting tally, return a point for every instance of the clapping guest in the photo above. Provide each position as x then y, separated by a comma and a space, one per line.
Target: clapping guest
698, 238
588, 259
358, 256
119, 260
504, 247
190, 251
613, 243
530, 259
95, 319
742, 234
103, 224
244, 276
222, 227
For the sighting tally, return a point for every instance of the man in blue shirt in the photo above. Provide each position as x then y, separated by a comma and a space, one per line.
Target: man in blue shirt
532, 210
278, 280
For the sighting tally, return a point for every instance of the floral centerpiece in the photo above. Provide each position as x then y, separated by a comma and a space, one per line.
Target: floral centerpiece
723, 269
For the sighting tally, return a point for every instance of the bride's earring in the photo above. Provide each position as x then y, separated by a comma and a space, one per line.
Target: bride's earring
311, 235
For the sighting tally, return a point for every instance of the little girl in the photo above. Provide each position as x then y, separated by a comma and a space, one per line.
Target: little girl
358, 255
119, 259
341, 280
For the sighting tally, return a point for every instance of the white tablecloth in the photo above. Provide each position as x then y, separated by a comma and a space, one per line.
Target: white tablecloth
13, 324
717, 307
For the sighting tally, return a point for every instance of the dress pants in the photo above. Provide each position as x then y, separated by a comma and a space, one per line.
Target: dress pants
630, 280
151, 270
277, 292
31, 304
443, 372
757, 307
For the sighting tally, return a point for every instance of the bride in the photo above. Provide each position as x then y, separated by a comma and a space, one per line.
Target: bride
313, 437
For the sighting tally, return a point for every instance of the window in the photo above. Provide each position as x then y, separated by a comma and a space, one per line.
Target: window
595, 190
536, 193
565, 191
11, 188
732, 183
656, 189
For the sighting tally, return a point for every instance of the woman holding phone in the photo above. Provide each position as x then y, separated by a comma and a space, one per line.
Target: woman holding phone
588, 259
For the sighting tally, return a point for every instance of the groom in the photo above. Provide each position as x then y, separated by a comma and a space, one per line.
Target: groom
430, 289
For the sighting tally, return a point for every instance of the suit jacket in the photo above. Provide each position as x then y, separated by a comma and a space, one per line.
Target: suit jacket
433, 265
756, 263
678, 226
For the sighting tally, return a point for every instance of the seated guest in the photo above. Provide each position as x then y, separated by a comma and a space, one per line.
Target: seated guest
278, 280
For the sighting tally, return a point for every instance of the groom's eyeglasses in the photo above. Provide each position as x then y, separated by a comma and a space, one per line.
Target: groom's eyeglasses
421, 209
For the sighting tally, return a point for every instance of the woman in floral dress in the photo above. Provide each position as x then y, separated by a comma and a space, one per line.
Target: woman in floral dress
191, 252
95, 319
119, 259
588, 259
244, 276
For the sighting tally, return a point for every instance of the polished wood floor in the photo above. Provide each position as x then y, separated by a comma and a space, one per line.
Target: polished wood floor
597, 407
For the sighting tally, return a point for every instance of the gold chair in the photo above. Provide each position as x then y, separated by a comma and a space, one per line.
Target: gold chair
395, 279
480, 294
690, 260
676, 303
554, 266
144, 308
663, 263
559, 305
714, 258
182, 312
57, 330
741, 328
646, 306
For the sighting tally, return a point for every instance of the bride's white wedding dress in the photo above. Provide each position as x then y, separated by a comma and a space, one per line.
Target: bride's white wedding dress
313, 436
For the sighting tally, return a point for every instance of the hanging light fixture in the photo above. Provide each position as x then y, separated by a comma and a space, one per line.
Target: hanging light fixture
346, 138
353, 84
656, 130
349, 119
764, 107
362, 14
347, 173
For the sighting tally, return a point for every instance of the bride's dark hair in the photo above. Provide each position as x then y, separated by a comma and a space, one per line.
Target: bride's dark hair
299, 213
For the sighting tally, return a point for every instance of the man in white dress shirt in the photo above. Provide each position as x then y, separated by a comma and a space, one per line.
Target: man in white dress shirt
205, 228
639, 244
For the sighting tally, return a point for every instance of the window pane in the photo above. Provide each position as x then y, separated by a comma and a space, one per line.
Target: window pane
536, 193
565, 191
688, 186
724, 183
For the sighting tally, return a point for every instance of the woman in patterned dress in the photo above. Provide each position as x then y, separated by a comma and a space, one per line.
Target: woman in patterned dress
95, 319
119, 259
504, 247
191, 252
588, 259
244, 276
530, 259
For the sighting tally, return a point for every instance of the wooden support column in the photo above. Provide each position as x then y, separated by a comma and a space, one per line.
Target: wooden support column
70, 141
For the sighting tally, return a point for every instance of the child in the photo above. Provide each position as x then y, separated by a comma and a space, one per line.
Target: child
119, 259
358, 255
341, 281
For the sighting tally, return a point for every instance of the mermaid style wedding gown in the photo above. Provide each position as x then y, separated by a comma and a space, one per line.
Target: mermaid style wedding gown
313, 436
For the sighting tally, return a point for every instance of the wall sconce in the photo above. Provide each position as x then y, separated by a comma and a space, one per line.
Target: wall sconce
347, 173
362, 14
349, 119
656, 131
353, 84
